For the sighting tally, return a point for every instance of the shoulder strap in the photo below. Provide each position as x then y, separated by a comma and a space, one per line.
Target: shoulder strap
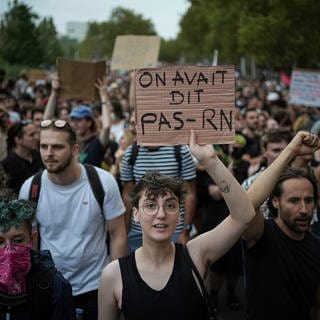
134, 153
95, 184
34, 190
40, 285
177, 153
211, 312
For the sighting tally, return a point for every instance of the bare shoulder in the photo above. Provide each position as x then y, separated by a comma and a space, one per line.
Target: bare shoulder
111, 273
111, 280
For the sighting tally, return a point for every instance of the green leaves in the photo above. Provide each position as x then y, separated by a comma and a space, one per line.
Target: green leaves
100, 38
25, 42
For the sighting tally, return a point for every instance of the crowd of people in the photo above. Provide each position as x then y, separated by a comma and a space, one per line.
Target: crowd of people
111, 226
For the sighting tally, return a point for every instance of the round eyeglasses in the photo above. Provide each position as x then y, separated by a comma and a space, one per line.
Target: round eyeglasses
151, 207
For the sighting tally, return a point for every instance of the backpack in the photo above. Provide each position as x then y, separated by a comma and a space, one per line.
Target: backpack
38, 299
135, 150
94, 181
40, 283
95, 184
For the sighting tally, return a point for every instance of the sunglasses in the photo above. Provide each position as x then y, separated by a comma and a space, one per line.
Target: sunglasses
56, 123
60, 124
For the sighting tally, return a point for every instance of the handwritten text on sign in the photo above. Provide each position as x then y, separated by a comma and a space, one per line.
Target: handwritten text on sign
171, 101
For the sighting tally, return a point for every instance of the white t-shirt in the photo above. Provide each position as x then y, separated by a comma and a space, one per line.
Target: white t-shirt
72, 227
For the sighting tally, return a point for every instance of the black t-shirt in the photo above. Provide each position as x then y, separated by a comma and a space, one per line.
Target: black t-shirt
19, 169
93, 152
179, 299
282, 275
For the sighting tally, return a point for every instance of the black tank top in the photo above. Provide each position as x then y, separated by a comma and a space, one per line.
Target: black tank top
179, 299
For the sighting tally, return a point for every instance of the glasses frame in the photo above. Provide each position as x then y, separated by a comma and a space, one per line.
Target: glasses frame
158, 207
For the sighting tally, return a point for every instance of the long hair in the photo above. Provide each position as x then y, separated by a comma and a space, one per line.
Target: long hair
290, 173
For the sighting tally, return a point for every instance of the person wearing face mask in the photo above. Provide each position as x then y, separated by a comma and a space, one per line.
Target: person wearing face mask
30, 285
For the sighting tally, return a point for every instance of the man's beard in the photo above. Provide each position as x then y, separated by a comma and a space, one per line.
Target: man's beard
60, 168
291, 224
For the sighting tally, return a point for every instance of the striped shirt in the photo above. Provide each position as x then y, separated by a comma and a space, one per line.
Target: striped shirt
162, 159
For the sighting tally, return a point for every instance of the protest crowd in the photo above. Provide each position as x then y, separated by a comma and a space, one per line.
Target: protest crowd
117, 222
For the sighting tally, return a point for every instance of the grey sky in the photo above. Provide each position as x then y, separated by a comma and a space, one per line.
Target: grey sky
165, 14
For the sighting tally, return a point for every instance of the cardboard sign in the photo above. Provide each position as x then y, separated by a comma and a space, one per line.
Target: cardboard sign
77, 78
305, 88
38, 75
170, 101
132, 52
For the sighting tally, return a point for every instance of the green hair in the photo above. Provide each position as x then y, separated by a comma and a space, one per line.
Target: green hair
15, 213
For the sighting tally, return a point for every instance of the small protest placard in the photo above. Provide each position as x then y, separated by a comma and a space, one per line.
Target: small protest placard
305, 88
170, 101
132, 52
77, 78
38, 75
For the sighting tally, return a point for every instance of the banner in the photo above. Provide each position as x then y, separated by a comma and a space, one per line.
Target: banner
170, 101
305, 88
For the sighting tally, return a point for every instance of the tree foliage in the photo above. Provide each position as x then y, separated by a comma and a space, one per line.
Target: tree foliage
23, 41
100, 38
282, 33
19, 42
48, 41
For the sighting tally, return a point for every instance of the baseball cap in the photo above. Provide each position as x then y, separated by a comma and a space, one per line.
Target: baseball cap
81, 112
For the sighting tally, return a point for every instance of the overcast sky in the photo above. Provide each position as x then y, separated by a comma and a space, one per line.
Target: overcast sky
165, 14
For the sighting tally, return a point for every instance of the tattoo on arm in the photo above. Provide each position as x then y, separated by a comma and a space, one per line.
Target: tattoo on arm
224, 187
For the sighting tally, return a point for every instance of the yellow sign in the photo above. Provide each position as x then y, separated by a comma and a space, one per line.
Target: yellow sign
132, 52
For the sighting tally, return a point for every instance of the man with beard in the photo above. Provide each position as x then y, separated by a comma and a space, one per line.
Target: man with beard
69, 217
283, 256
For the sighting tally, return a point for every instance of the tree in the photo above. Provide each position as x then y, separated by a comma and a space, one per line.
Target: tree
19, 43
278, 33
100, 38
48, 41
285, 33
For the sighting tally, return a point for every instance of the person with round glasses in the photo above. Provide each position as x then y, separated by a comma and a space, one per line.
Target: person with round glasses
156, 281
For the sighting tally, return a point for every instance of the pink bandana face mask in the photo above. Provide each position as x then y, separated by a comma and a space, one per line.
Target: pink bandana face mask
14, 265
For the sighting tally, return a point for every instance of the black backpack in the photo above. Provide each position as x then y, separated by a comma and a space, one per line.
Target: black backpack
94, 181
95, 184
38, 299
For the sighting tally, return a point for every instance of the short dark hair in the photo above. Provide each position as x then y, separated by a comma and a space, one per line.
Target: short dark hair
290, 173
276, 136
157, 184
16, 130
247, 110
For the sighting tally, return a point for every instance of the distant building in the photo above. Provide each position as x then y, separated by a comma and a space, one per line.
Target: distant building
77, 30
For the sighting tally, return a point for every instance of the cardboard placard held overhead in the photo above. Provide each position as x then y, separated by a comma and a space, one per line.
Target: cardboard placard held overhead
305, 88
77, 78
38, 75
170, 101
132, 52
